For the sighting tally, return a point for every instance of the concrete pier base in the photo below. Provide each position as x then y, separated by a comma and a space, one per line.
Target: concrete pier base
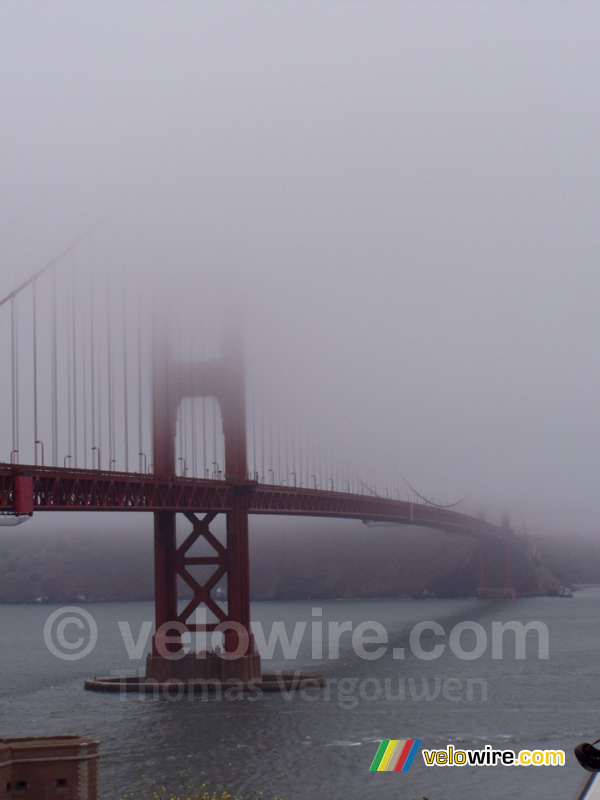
205, 672
229, 689
204, 665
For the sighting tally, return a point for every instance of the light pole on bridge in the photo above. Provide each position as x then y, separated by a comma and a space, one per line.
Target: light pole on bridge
39, 442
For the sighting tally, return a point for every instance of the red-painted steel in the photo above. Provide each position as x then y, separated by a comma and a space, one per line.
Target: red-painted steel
23, 495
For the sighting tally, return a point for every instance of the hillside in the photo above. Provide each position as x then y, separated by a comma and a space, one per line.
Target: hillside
319, 562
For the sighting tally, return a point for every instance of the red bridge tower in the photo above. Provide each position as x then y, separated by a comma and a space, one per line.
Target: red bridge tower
223, 379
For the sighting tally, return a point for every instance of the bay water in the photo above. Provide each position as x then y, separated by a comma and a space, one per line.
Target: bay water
321, 742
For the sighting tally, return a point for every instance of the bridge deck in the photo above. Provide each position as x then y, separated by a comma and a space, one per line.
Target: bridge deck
56, 489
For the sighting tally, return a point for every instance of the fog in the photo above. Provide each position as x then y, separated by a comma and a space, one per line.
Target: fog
400, 196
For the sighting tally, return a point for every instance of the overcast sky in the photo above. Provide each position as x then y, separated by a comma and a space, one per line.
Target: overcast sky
405, 195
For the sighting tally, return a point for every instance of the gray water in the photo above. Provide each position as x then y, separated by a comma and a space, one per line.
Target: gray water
321, 744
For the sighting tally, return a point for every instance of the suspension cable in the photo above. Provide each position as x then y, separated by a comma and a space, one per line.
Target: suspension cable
40, 272
426, 499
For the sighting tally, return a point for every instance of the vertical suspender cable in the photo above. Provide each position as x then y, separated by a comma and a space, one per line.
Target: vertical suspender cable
300, 452
36, 433
279, 446
13, 363
125, 388
99, 386
17, 382
183, 433
139, 382
293, 447
262, 428
70, 347
214, 423
189, 417
286, 464
54, 373
193, 406
111, 396
74, 367
214, 431
252, 410
205, 472
182, 426
84, 398
92, 369
272, 434
204, 459
309, 456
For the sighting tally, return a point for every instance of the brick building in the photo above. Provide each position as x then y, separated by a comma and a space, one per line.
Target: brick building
49, 768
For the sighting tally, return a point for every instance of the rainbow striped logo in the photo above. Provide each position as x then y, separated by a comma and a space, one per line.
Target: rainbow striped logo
395, 755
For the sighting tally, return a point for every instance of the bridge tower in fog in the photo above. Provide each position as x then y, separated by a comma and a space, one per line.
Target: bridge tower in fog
224, 380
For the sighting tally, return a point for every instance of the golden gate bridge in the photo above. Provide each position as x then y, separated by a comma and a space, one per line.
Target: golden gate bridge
116, 402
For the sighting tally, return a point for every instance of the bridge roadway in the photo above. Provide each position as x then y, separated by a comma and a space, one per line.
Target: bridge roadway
58, 489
